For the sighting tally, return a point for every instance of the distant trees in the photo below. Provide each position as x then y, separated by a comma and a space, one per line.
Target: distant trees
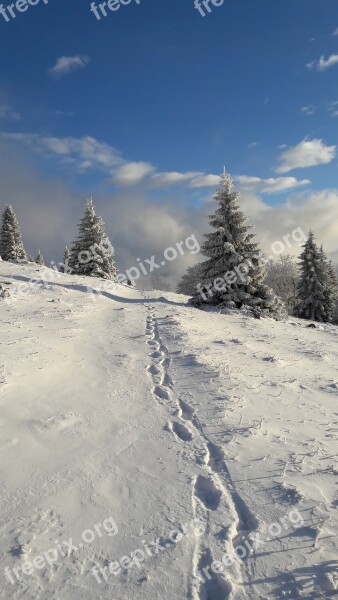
92, 253
189, 281
234, 272
282, 276
157, 282
11, 246
39, 258
317, 287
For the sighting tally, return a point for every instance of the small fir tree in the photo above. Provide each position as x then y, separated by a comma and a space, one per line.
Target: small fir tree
312, 301
39, 258
11, 246
92, 253
64, 266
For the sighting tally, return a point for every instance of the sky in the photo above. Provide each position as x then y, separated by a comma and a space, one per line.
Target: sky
143, 108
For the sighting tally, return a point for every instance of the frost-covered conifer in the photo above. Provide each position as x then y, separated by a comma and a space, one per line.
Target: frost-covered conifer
11, 246
312, 301
64, 266
92, 253
234, 272
39, 258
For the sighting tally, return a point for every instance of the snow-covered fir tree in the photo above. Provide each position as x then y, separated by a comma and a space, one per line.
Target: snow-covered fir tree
189, 281
39, 258
234, 272
64, 266
11, 246
330, 292
92, 253
312, 297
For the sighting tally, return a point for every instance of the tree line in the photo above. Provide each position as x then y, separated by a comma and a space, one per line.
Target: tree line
234, 274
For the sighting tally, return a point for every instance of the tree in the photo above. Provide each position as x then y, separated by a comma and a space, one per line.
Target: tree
11, 246
64, 266
312, 300
281, 276
331, 284
234, 272
190, 280
92, 253
39, 258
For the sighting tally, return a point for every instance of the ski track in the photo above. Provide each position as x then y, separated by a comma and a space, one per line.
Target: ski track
211, 488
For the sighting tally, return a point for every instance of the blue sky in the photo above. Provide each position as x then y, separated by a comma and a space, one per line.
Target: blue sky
154, 99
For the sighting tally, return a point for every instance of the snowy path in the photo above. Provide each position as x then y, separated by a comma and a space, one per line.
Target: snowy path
149, 412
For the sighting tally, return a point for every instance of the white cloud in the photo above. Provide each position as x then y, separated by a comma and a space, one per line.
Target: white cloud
308, 110
335, 32
132, 172
88, 153
308, 153
67, 64
84, 153
308, 210
200, 180
333, 109
270, 185
253, 144
323, 63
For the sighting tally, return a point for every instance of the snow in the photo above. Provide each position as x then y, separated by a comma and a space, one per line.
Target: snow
132, 414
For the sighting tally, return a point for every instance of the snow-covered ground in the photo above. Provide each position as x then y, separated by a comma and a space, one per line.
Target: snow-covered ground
172, 453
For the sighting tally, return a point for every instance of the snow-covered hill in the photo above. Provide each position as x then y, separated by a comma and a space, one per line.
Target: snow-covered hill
150, 450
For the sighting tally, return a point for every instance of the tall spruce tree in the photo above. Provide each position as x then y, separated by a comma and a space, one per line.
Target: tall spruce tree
312, 297
92, 253
234, 272
11, 246
331, 284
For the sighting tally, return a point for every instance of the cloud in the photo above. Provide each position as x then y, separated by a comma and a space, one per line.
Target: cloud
333, 109
9, 113
253, 144
132, 172
270, 185
308, 110
322, 64
335, 32
68, 64
316, 210
87, 153
83, 153
308, 153
200, 180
